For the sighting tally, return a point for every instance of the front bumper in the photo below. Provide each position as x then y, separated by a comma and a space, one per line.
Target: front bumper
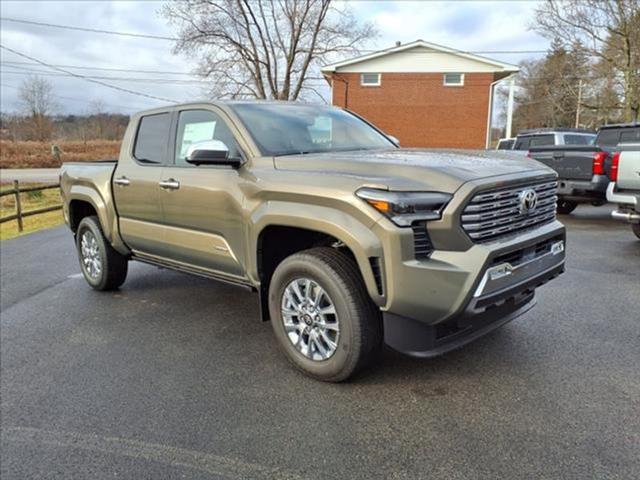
584, 190
454, 297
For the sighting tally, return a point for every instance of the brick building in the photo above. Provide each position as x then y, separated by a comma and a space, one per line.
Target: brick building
426, 95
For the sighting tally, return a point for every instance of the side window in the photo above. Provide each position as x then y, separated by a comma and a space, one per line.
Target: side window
151, 140
522, 143
198, 126
608, 137
320, 131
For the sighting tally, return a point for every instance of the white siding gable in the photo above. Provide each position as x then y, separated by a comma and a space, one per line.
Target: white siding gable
419, 60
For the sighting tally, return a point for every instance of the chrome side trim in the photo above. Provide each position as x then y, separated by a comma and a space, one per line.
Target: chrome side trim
506, 269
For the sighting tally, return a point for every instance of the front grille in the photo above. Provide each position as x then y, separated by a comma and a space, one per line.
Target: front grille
495, 213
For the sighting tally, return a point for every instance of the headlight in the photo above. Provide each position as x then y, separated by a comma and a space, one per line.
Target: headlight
404, 208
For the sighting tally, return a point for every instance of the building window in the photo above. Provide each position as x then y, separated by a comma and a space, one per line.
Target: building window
370, 79
453, 79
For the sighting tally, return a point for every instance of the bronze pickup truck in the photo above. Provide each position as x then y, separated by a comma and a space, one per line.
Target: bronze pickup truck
349, 240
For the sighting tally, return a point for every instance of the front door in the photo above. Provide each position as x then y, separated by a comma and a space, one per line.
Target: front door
135, 185
202, 205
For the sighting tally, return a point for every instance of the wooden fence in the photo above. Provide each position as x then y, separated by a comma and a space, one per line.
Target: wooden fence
19, 215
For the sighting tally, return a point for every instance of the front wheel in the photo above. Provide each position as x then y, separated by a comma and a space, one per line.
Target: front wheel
636, 229
565, 207
322, 315
102, 266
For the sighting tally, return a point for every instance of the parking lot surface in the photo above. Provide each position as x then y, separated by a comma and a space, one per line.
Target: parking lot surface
175, 377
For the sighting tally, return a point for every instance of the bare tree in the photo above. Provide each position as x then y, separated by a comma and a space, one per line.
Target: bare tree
264, 49
36, 97
609, 29
38, 102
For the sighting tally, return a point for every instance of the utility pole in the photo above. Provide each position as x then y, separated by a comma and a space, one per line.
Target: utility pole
510, 107
579, 105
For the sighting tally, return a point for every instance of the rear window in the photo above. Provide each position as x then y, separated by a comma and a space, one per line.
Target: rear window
151, 141
542, 140
610, 137
524, 143
630, 135
570, 139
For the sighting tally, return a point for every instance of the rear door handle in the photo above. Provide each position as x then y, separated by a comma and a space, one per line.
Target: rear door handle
170, 184
122, 181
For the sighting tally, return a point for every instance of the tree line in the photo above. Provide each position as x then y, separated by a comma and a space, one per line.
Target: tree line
591, 73
38, 121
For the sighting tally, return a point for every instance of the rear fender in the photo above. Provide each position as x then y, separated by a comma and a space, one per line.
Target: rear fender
105, 210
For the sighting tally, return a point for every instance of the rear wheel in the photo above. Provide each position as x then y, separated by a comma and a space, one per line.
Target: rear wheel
565, 207
102, 266
322, 315
636, 229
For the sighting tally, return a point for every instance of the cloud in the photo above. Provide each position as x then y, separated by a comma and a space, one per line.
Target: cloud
464, 25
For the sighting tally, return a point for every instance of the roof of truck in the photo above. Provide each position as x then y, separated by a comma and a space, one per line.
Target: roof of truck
621, 125
538, 131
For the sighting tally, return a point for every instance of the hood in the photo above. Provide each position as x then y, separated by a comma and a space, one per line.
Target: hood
412, 169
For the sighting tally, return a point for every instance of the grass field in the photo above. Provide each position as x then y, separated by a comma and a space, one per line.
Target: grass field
29, 201
38, 154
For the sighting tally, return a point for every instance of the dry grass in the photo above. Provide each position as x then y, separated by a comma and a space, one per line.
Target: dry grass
38, 154
29, 201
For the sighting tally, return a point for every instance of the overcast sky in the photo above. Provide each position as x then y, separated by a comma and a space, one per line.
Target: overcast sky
465, 25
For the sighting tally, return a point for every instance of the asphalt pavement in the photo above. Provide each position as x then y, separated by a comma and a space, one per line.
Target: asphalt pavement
174, 376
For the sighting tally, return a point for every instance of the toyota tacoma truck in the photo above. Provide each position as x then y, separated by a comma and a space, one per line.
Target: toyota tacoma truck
583, 168
624, 189
349, 241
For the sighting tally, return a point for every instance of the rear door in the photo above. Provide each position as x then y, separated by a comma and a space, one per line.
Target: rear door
203, 207
135, 185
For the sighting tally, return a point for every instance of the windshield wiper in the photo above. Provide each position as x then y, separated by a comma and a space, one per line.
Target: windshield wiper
146, 160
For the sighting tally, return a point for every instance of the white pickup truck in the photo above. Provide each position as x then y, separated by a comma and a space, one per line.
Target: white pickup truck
624, 189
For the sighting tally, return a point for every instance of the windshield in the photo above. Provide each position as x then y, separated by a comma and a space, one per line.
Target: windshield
288, 129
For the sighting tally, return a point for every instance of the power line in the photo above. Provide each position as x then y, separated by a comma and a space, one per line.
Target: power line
77, 75
161, 37
85, 29
106, 69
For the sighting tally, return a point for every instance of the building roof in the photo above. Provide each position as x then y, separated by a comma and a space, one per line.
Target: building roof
420, 56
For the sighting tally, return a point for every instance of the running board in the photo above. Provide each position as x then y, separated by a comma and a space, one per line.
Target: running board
184, 268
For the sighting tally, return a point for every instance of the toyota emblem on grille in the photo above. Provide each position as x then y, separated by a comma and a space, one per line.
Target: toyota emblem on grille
528, 201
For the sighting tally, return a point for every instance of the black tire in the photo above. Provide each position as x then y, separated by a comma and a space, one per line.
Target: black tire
636, 229
565, 207
360, 320
114, 265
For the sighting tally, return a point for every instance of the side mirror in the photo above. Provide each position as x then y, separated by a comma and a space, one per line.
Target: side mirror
211, 152
394, 140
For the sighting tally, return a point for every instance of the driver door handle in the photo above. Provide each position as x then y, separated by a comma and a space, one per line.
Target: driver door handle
170, 184
122, 181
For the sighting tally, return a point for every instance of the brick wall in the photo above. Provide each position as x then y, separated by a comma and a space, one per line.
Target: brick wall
418, 109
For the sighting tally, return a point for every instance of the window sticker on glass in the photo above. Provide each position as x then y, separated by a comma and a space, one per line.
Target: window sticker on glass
196, 132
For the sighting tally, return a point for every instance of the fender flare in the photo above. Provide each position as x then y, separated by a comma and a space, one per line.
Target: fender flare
105, 211
356, 235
